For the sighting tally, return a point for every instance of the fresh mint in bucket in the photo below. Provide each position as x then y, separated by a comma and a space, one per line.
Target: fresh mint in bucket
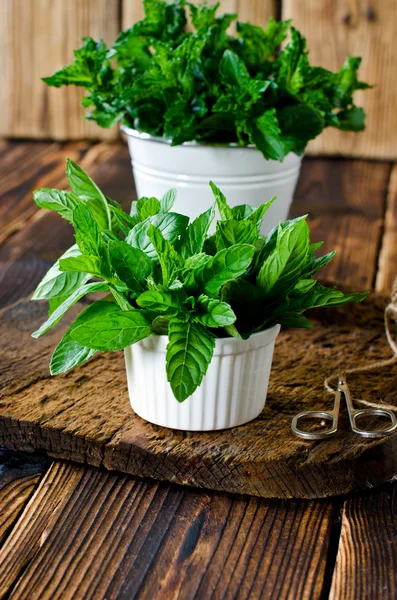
209, 85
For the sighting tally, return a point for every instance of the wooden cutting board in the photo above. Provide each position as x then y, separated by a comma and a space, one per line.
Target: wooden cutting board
85, 416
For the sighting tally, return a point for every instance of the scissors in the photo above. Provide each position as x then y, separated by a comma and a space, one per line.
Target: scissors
333, 417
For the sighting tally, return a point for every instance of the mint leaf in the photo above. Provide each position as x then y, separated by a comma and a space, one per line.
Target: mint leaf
290, 252
258, 45
168, 201
321, 296
159, 301
87, 232
170, 225
60, 201
147, 207
257, 215
192, 241
111, 329
233, 69
233, 232
57, 315
266, 135
56, 283
294, 320
82, 264
130, 264
214, 313
221, 268
299, 123
224, 209
189, 352
68, 354
167, 255
351, 119
84, 187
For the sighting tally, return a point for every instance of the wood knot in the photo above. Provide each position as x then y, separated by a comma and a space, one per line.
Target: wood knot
371, 14
347, 19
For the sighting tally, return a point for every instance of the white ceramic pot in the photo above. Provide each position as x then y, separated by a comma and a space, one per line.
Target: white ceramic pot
232, 392
242, 174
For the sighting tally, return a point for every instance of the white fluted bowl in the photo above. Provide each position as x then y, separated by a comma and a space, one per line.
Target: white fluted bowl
242, 174
233, 391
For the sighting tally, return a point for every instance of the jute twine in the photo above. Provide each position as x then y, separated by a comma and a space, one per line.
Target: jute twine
390, 317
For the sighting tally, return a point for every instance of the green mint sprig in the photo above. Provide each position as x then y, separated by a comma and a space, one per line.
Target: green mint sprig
165, 275
211, 86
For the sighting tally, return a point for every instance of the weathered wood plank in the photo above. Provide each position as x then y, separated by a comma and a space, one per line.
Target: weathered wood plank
337, 29
36, 39
39, 241
387, 267
85, 415
365, 566
257, 12
36, 521
19, 475
345, 201
131, 12
26, 166
87, 534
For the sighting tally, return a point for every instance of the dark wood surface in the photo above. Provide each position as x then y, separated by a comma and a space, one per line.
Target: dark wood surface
85, 415
101, 535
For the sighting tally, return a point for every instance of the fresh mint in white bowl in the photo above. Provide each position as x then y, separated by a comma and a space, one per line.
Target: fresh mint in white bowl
196, 313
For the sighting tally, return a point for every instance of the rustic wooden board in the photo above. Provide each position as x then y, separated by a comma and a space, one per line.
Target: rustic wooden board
365, 566
37, 38
85, 415
35, 238
89, 534
387, 268
19, 475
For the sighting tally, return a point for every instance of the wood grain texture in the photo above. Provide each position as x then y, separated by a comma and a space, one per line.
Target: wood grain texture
19, 475
88, 534
85, 415
359, 28
32, 528
345, 201
24, 167
36, 39
131, 12
39, 236
257, 12
365, 566
387, 268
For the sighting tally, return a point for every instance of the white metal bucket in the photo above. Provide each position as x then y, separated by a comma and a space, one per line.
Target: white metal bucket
242, 174
233, 391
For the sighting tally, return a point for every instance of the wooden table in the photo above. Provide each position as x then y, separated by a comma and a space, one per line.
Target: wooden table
70, 531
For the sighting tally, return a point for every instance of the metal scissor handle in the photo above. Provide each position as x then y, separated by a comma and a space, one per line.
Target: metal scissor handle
355, 414
332, 415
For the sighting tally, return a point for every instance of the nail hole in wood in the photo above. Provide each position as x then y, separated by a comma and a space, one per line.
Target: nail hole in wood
371, 14
347, 19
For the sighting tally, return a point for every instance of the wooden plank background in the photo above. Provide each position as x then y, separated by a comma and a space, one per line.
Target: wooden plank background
37, 37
